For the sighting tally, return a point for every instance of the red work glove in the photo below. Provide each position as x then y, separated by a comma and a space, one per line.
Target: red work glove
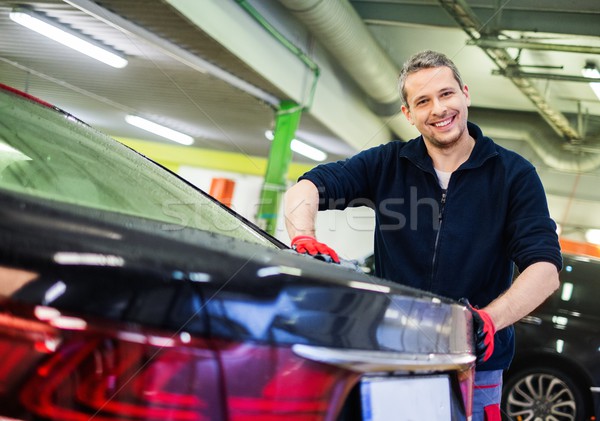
484, 330
304, 244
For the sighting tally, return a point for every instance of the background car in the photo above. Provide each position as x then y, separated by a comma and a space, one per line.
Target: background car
127, 293
556, 371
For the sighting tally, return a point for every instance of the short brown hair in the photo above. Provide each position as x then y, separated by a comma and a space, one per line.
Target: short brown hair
425, 60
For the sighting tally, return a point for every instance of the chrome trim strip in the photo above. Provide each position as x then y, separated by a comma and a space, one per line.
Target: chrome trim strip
381, 361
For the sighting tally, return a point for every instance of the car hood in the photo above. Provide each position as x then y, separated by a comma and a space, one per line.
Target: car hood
108, 266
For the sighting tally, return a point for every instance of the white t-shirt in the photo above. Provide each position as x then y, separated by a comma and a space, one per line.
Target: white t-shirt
443, 178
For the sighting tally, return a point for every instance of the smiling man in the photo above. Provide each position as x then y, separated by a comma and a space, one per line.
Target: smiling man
454, 213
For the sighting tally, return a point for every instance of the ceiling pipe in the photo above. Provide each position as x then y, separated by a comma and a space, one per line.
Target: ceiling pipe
469, 22
277, 35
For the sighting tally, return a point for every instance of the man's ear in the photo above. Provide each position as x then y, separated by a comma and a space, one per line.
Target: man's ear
465, 90
406, 113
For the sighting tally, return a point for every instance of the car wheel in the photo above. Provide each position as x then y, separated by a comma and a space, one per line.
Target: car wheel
542, 394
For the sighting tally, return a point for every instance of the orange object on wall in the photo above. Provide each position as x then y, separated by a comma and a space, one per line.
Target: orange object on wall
582, 249
222, 190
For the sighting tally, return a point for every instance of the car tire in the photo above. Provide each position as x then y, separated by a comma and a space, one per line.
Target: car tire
543, 394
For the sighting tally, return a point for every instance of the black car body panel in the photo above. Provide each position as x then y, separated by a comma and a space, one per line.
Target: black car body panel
564, 332
235, 291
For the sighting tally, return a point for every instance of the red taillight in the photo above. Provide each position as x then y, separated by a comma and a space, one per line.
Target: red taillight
108, 379
267, 384
106, 375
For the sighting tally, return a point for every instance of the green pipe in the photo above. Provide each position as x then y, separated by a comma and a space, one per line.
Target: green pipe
308, 62
280, 156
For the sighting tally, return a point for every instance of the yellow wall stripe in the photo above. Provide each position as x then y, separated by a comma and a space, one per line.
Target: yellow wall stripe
174, 156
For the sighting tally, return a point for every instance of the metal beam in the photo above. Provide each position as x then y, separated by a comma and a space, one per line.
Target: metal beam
515, 72
532, 45
470, 23
538, 17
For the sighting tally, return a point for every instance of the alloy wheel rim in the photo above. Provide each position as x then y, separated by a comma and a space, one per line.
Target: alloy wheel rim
541, 397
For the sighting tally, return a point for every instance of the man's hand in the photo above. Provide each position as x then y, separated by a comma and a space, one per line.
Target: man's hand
484, 330
305, 244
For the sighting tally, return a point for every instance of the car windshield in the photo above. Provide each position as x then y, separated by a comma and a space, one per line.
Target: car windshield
51, 156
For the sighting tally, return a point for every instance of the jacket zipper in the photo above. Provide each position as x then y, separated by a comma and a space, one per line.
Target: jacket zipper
437, 236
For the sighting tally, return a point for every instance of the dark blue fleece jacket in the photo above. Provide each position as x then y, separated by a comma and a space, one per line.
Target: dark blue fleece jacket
458, 243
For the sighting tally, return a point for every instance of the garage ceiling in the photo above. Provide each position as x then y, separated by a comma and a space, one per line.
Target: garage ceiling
210, 69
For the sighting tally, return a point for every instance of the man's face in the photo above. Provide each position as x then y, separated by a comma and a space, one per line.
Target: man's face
437, 106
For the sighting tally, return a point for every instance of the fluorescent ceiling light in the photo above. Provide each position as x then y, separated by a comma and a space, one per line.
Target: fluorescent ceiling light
66, 36
157, 129
302, 148
308, 151
590, 70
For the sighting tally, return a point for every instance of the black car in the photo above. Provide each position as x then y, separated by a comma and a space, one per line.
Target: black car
555, 375
128, 294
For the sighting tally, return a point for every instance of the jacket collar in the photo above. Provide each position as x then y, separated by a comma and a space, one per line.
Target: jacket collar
416, 152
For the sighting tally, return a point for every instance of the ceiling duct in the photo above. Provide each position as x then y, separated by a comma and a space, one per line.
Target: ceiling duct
342, 32
528, 127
